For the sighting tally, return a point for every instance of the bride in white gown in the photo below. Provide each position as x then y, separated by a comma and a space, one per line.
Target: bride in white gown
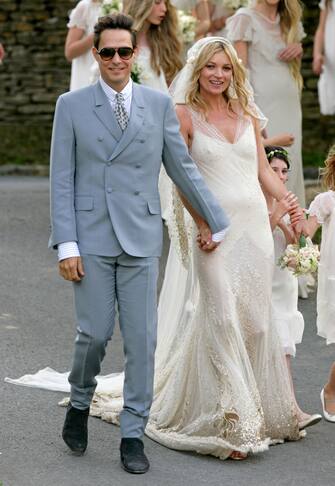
221, 382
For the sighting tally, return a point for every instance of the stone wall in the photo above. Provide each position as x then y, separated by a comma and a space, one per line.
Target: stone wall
35, 72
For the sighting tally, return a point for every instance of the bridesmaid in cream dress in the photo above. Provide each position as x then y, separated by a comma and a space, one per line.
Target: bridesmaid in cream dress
286, 317
272, 50
79, 42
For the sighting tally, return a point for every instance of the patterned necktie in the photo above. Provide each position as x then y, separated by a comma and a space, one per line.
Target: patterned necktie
120, 111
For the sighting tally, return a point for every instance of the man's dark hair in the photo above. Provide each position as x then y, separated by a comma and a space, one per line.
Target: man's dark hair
115, 21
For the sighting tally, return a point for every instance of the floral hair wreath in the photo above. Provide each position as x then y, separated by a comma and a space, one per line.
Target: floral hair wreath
273, 153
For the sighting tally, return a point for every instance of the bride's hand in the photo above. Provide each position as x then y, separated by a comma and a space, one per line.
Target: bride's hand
204, 238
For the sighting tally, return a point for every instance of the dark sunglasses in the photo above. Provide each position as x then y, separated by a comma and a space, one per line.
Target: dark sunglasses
107, 53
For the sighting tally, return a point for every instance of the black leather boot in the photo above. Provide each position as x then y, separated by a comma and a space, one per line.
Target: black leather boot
133, 459
75, 429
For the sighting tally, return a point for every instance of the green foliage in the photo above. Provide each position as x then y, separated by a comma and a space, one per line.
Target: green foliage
313, 158
317, 236
25, 144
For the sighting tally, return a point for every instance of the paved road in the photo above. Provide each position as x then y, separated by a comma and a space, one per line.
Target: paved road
36, 330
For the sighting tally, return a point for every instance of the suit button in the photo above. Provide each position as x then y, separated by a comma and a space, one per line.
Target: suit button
136, 193
100, 138
109, 189
138, 166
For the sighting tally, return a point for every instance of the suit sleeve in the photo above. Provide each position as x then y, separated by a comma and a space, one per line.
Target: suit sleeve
184, 173
62, 172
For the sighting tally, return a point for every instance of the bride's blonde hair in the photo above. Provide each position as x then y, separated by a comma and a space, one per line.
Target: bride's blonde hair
290, 13
238, 87
163, 39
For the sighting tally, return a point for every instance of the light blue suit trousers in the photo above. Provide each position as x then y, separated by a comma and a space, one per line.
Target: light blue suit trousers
133, 283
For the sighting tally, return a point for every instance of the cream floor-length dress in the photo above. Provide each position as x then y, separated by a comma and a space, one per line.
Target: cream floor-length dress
221, 380
276, 92
286, 316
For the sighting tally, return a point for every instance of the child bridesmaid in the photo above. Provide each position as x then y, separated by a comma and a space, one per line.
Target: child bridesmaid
322, 212
288, 320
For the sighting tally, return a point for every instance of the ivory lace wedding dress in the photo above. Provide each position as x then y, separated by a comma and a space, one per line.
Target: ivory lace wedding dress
221, 381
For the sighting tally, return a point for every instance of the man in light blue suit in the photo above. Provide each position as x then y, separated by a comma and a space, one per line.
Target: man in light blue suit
109, 141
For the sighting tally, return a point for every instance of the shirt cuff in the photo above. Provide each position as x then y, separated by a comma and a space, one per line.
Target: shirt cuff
69, 249
218, 237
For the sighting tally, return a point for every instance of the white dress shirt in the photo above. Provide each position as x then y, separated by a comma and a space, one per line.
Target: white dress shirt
70, 249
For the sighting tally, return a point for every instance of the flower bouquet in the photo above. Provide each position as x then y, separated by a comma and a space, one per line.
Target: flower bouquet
111, 6
187, 24
301, 258
136, 72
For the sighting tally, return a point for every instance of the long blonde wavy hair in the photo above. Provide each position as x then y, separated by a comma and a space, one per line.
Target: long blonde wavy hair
290, 13
163, 39
238, 82
328, 171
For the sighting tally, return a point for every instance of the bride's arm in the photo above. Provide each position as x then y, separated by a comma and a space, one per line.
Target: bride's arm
270, 181
186, 129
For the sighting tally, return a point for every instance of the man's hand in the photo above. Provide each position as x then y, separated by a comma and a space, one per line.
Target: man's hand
204, 238
290, 52
71, 269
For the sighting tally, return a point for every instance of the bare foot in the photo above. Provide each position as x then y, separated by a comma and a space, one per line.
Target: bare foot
238, 456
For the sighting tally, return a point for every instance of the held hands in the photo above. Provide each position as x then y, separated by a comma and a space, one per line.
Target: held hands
296, 213
301, 227
204, 238
290, 52
71, 269
288, 204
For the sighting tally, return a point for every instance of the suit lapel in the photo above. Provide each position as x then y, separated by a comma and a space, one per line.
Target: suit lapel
134, 124
105, 113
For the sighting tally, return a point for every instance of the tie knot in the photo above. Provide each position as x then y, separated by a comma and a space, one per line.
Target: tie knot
119, 97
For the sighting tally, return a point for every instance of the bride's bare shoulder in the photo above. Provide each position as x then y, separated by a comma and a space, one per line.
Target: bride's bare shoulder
184, 116
183, 111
